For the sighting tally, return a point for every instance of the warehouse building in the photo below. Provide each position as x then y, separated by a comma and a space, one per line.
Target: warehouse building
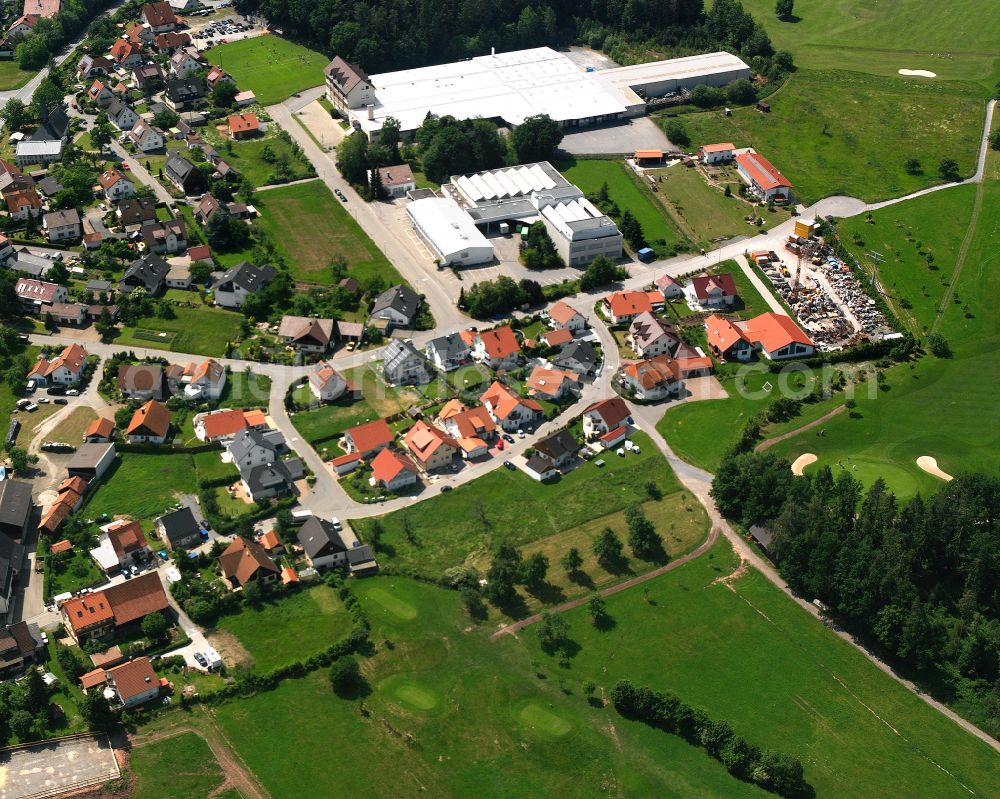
498, 198
449, 232
510, 87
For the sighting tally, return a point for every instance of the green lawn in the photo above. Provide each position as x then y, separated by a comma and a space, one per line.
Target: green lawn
705, 214
749, 301
274, 68
953, 39
246, 157
589, 175
309, 227
12, 76
200, 331
209, 466
459, 715
467, 524
74, 572
142, 486
328, 421
179, 767
291, 628
850, 133
246, 389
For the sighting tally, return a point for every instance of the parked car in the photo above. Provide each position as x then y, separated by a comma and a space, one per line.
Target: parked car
56, 391
508, 438
61, 401
446, 488
125, 574
72, 393
509, 465
200, 660
135, 570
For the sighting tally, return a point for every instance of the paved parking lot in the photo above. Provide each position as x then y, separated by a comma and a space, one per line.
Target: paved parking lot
53, 767
640, 133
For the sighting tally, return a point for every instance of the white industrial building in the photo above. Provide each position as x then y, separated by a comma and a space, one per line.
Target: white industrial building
495, 199
449, 231
516, 85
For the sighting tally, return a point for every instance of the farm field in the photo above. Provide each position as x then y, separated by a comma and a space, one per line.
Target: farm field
159, 478
198, 331
274, 68
945, 408
291, 628
502, 718
178, 767
466, 525
309, 227
590, 174
952, 39
705, 213
841, 132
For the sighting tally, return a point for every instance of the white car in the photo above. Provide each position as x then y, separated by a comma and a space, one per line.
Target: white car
72, 393
520, 434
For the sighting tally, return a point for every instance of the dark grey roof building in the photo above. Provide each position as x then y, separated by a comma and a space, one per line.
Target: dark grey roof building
398, 306
148, 273
580, 357
15, 507
178, 528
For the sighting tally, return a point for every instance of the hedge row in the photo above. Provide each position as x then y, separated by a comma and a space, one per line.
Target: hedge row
772, 771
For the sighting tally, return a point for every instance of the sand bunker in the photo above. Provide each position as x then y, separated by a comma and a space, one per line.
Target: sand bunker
929, 465
805, 459
918, 73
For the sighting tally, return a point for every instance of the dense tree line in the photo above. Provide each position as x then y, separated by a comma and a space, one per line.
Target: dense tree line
773, 771
503, 295
382, 34
919, 577
48, 37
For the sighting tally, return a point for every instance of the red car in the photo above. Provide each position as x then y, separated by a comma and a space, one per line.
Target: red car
500, 444
125, 166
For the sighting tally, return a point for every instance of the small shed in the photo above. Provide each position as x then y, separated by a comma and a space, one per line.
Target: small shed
648, 157
762, 535
764, 108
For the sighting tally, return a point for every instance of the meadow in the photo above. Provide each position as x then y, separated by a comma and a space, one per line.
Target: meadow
12, 76
703, 212
590, 174
466, 525
309, 227
447, 712
204, 330
290, 628
177, 767
956, 40
274, 68
247, 157
840, 132
142, 486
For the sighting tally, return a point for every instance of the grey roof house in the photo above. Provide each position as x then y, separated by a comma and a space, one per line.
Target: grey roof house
580, 357
148, 273
322, 544
403, 365
15, 507
181, 172
178, 528
447, 352
395, 307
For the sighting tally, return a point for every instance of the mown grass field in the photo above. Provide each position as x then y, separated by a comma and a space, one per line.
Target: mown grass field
246, 389
274, 68
957, 40
178, 767
704, 212
291, 628
12, 76
309, 227
590, 174
72, 428
839, 132
450, 713
199, 331
142, 486
246, 157
467, 524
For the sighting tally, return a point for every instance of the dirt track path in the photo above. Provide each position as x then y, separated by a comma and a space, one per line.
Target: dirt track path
792, 433
236, 772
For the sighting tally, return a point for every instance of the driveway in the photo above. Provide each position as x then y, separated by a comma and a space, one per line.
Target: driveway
640, 133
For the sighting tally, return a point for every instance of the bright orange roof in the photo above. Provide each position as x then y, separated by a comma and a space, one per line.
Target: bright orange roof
152, 419
61, 546
370, 435
628, 303
562, 312
270, 540
288, 575
556, 338
774, 331
423, 441
388, 464
653, 372
255, 418
649, 153
87, 610
722, 147
243, 123
452, 407
548, 381
350, 457
720, 333
100, 427
499, 342
762, 171
504, 401
223, 423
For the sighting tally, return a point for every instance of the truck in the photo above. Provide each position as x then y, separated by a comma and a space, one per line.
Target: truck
646, 255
